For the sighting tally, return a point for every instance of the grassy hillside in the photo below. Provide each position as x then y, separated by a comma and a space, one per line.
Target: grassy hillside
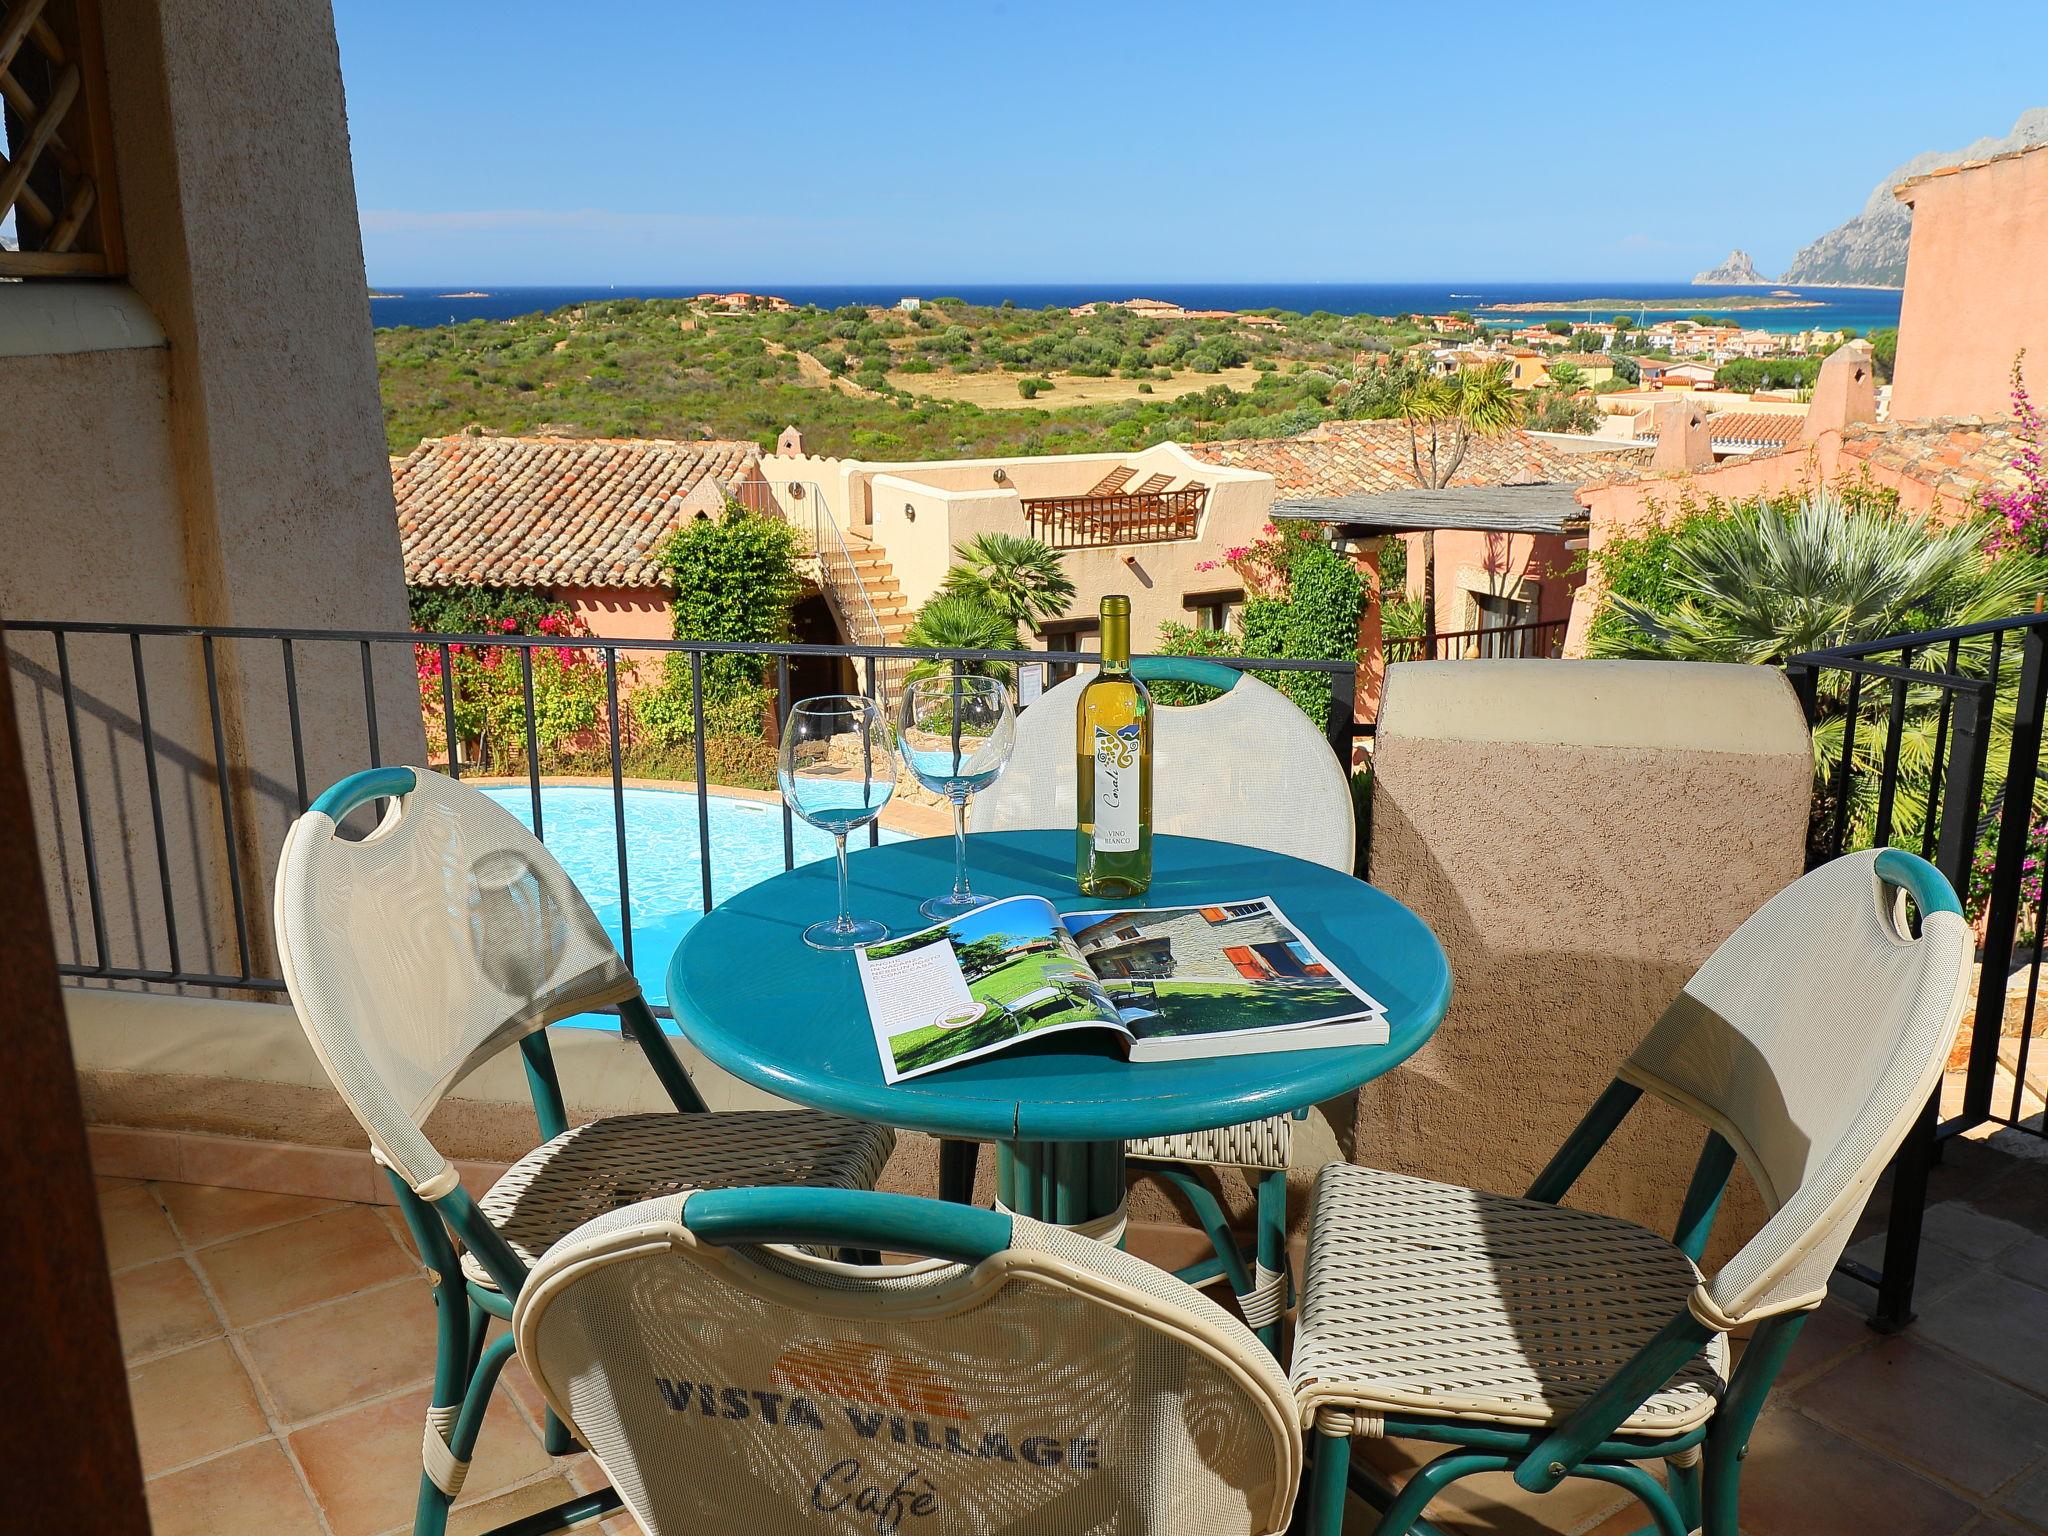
940, 381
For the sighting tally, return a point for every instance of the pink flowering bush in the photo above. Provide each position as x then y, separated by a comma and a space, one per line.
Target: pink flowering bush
1265, 564
569, 687
2023, 509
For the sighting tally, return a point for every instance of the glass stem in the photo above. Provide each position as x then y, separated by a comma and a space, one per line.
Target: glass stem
845, 907
960, 847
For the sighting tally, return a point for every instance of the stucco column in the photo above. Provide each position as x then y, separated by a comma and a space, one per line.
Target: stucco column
1372, 653
1579, 835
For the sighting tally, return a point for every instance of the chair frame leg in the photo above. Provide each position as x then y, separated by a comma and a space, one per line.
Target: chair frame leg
957, 1163
1270, 1256
1329, 1466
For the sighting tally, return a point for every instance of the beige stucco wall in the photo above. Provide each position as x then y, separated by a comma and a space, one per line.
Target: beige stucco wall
229, 469
1579, 835
919, 513
1976, 289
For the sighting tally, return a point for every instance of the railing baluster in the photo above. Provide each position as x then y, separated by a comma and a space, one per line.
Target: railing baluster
454, 737
1938, 765
370, 706
85, 837
1888, 770
532, 735
227, 806
1845, 768
782, 706
291, 707
611, 688
703, 792
875, 825
156, 799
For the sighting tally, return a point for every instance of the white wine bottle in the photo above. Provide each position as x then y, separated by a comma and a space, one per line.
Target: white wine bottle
1113, 761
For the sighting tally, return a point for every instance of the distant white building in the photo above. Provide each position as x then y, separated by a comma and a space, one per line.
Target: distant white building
910, 303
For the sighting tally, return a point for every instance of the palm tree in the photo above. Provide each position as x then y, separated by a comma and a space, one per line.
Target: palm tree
1013, 574
961, 624
1766, 583
1443, 416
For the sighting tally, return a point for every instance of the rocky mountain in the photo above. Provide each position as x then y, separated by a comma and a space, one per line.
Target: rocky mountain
1737, 271
1871, 248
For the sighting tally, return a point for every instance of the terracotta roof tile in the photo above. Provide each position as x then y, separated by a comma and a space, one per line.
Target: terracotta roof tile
552, 511
1344, 458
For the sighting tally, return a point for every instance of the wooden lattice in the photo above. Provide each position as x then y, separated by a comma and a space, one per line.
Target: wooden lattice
56, 165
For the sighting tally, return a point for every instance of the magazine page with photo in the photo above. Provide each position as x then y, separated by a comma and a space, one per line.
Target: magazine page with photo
1218, 980
1171, 983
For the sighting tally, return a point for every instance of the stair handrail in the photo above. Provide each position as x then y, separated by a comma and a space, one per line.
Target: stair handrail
837, 573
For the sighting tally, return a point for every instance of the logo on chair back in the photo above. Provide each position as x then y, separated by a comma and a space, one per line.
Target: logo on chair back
893, 1428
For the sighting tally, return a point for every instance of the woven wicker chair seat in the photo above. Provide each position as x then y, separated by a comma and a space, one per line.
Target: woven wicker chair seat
1254, 1144
597, 1167
1438, 1301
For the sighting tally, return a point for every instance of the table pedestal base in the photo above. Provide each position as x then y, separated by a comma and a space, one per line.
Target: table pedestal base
1070, 1183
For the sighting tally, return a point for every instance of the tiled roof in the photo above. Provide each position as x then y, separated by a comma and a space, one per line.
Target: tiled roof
1960, 457
552, 511
1760, 429
1345, 458
1903, 188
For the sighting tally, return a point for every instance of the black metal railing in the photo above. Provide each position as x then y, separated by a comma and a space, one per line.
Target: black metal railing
1545, 639
1932, 742
245, 748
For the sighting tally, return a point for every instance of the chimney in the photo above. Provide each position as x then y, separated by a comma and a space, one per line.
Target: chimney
1683, 439
790, 445
1845, 392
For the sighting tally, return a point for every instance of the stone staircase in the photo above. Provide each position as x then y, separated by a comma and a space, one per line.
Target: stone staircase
885, 594
877, 582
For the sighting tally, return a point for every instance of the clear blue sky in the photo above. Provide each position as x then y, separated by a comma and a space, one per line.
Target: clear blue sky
1275, 141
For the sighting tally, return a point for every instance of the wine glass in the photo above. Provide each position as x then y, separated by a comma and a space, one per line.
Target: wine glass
837, 770
957, 732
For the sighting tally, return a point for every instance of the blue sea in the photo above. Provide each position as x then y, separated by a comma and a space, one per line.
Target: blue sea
1862, 309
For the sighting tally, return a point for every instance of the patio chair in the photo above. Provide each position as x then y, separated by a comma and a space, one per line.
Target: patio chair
1248, 768
1113, 483
1017, 1378
1554, 1343
1151, 485
445, 935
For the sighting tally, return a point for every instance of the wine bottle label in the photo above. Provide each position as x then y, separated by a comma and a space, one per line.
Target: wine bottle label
1116, 789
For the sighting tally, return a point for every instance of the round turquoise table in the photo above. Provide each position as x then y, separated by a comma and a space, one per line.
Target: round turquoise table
756, 1000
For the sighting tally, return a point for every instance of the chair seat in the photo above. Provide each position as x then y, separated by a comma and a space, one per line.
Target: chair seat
603, 1165
1431, 1300
1254, 1144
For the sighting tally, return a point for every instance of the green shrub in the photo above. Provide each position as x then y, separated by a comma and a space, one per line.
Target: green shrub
1032, 388
734, 578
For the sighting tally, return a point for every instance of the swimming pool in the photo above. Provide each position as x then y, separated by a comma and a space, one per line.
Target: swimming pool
663, 871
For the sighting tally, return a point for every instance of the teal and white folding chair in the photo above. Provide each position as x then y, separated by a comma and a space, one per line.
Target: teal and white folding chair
1016, 1379
1246, 767
1554, 1343
413, 954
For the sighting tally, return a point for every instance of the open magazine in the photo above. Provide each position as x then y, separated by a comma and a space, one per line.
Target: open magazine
1172, 982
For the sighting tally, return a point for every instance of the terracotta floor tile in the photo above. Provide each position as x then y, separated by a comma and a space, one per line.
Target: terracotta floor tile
160, 1307
1939, 1269
1804, 1480
1834, 1329
1969, 1232
493, 1510
318, 1259
2028, 1261
194, 1403
2028, 1499
251, 1492
1927, 1408
203, 1214
345, 1352
135, 1227
364, 1465
1997, 1322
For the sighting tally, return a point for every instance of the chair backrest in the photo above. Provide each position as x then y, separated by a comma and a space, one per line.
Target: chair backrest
1247, 767
1810, 1040
412, 954
1027, 1380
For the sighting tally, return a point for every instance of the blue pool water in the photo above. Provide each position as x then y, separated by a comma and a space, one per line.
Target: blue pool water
663, 871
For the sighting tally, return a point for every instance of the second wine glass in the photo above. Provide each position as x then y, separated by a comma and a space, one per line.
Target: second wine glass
957, 732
